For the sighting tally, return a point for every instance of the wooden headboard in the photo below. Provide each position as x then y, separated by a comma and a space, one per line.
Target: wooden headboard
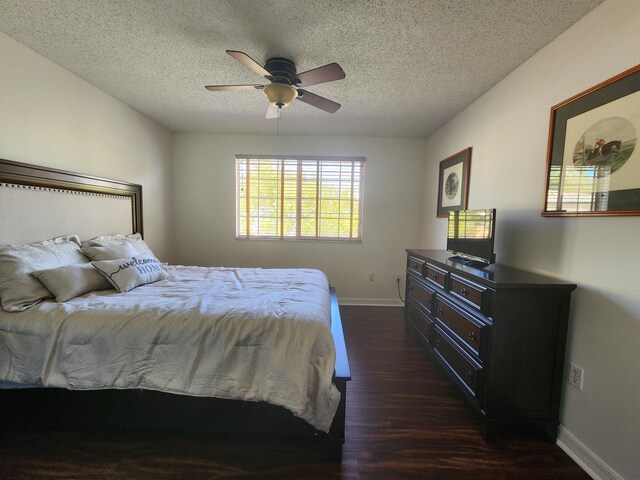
38, 202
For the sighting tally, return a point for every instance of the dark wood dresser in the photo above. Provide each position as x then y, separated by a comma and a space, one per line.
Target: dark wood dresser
499, 333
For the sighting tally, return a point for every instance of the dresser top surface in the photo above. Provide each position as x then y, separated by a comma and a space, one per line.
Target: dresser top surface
493, 275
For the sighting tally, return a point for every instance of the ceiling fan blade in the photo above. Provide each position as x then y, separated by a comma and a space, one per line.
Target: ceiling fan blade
328, 73
220, 88
249, 62
318, 101
272, 111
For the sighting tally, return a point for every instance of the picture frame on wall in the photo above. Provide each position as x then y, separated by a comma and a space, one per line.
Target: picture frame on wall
453, 186
593, 157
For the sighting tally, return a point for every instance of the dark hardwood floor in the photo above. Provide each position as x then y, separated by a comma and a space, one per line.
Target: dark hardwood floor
404, 420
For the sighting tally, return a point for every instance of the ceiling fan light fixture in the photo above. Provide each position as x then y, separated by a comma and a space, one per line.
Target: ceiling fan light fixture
285, 80
280, 94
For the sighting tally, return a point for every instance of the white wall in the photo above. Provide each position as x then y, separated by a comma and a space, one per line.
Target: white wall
205, 209
51, 117
508, 129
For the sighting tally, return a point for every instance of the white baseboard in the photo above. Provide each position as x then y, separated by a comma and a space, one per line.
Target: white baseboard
371, 302
588, 461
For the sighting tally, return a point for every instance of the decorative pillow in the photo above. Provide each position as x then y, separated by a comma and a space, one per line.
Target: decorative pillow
72, 281
128, 273
19, 290
114, 247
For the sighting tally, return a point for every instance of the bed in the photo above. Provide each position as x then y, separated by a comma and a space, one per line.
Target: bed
110, 359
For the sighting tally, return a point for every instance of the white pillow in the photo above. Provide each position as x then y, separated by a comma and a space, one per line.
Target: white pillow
18, 289
128, 273
108, 247
109, 251
72, 281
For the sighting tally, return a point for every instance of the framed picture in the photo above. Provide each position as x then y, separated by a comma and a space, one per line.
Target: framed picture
453, 188
593, 159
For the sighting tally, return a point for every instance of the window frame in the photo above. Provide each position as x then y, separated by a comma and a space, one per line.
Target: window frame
356, 230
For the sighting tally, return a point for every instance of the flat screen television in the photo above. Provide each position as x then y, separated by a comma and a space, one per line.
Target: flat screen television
470, 236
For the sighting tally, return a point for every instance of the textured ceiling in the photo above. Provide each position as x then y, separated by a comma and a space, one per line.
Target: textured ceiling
411, 65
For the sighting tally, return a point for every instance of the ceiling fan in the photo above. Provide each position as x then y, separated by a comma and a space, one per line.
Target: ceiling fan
286, 82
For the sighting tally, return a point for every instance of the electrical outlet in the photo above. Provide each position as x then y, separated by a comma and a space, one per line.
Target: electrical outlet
576, 375
372, 277
398, 277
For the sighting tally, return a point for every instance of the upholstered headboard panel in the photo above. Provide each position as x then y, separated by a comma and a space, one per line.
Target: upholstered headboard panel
37, 203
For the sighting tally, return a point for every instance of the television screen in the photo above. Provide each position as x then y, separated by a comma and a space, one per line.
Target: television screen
470, 235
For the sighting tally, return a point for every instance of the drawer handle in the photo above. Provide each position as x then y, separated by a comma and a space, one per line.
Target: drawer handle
464, 292
472, 336
411, 288
468, 375
437, 342
434, 276
439, 312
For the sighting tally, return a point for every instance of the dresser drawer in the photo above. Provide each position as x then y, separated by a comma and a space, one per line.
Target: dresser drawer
415, 265
435, 274
468, 371
471, 293
420, 321
420, 293
468, 330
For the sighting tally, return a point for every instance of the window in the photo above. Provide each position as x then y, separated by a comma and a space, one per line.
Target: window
305, 198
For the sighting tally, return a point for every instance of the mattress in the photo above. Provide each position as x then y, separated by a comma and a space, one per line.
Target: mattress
238, 333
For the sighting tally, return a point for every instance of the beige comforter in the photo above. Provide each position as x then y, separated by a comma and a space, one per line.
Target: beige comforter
250, 334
